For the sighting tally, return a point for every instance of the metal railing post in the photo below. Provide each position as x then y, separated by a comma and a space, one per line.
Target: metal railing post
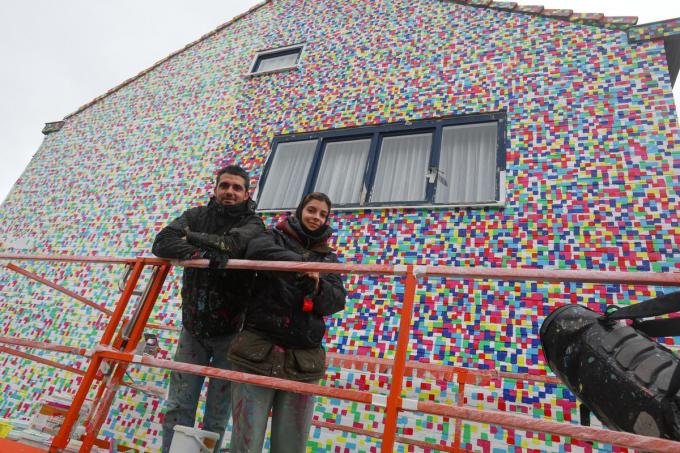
396, 385
134, 332
462, 380
61, 439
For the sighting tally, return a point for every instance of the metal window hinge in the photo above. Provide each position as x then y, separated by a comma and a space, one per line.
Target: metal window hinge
431, 175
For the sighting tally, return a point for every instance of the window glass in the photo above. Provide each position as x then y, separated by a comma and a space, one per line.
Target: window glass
341, 173
402, 168
392, 165
467, 164
277, 60
287, 175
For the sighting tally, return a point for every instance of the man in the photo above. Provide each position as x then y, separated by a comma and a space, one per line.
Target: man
213, 300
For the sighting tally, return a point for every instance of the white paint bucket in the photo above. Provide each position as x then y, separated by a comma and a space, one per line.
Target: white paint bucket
193, 440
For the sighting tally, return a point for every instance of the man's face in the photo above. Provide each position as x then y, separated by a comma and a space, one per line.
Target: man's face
230, 190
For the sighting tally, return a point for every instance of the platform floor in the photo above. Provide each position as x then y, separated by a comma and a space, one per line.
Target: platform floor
11, 446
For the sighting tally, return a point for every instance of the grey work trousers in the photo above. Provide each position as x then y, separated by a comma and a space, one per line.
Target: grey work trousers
291, 419
185, 388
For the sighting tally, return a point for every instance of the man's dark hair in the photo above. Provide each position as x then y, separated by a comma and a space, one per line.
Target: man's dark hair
236, 171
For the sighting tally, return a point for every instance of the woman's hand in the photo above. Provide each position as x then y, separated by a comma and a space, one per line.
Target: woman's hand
315, 277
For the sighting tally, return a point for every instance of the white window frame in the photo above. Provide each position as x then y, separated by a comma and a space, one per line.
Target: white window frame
272, 52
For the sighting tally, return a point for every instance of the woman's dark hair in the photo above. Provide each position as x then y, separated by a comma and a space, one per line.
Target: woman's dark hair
319, 196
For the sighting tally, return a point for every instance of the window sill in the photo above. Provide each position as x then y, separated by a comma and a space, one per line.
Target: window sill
493, 204
251, 75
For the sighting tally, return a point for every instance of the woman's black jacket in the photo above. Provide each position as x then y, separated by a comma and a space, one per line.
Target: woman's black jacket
275, 311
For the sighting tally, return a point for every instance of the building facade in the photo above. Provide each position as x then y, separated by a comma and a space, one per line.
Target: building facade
450, 133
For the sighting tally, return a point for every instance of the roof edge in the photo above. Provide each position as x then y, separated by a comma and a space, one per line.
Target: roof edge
669, 32
163, 60
654, 30
596, 19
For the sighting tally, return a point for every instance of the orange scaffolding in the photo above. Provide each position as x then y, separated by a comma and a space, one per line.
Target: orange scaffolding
119, 341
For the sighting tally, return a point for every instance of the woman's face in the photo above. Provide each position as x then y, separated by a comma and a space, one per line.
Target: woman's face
314, 214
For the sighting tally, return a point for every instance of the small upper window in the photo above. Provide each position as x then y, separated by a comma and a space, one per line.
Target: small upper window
276, 59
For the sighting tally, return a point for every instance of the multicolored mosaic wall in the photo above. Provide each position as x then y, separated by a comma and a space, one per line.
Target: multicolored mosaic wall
655, 30
592, 183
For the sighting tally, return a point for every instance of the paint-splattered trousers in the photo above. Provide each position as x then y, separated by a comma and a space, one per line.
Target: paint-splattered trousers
185, 388
291, 419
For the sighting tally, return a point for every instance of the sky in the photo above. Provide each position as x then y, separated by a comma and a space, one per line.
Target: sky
59, 55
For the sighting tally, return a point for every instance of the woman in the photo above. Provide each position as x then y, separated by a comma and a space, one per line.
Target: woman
284, 329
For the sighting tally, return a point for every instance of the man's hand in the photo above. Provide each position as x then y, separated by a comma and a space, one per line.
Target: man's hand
218, 260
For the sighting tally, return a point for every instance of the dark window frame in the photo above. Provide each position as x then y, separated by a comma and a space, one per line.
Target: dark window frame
262, 55
376, 134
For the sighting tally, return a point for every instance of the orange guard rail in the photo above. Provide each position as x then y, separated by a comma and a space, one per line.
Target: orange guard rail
119, 341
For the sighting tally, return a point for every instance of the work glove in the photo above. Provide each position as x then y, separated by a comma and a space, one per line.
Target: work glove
306, 284
197, 239
308, 287
218, 260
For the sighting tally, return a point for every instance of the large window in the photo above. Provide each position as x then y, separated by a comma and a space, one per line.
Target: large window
447, 162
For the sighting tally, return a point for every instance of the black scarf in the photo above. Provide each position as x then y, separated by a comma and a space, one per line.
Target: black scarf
233, 210
317, 241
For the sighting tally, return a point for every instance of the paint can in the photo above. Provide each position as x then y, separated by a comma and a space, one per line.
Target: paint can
18, 426
5, 428
73, 446
52, 412
35, 438
193, 440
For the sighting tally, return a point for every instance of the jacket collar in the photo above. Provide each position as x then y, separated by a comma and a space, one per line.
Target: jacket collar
292, 228
238, 210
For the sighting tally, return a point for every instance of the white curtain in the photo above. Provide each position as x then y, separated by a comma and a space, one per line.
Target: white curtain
278, 62
467, 164
341, 174
287, 175
402, 168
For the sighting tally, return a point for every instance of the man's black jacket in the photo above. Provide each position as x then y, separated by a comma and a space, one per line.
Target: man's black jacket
213, 301
276, 309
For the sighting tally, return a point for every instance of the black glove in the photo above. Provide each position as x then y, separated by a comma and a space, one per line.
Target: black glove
217, 259
194, 238
306, 284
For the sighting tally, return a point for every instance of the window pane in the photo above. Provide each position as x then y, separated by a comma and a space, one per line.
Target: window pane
467, 164
402, 168
287, 175
341, 174
277, 61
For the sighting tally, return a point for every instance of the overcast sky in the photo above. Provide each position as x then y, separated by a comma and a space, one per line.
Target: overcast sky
59, 55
